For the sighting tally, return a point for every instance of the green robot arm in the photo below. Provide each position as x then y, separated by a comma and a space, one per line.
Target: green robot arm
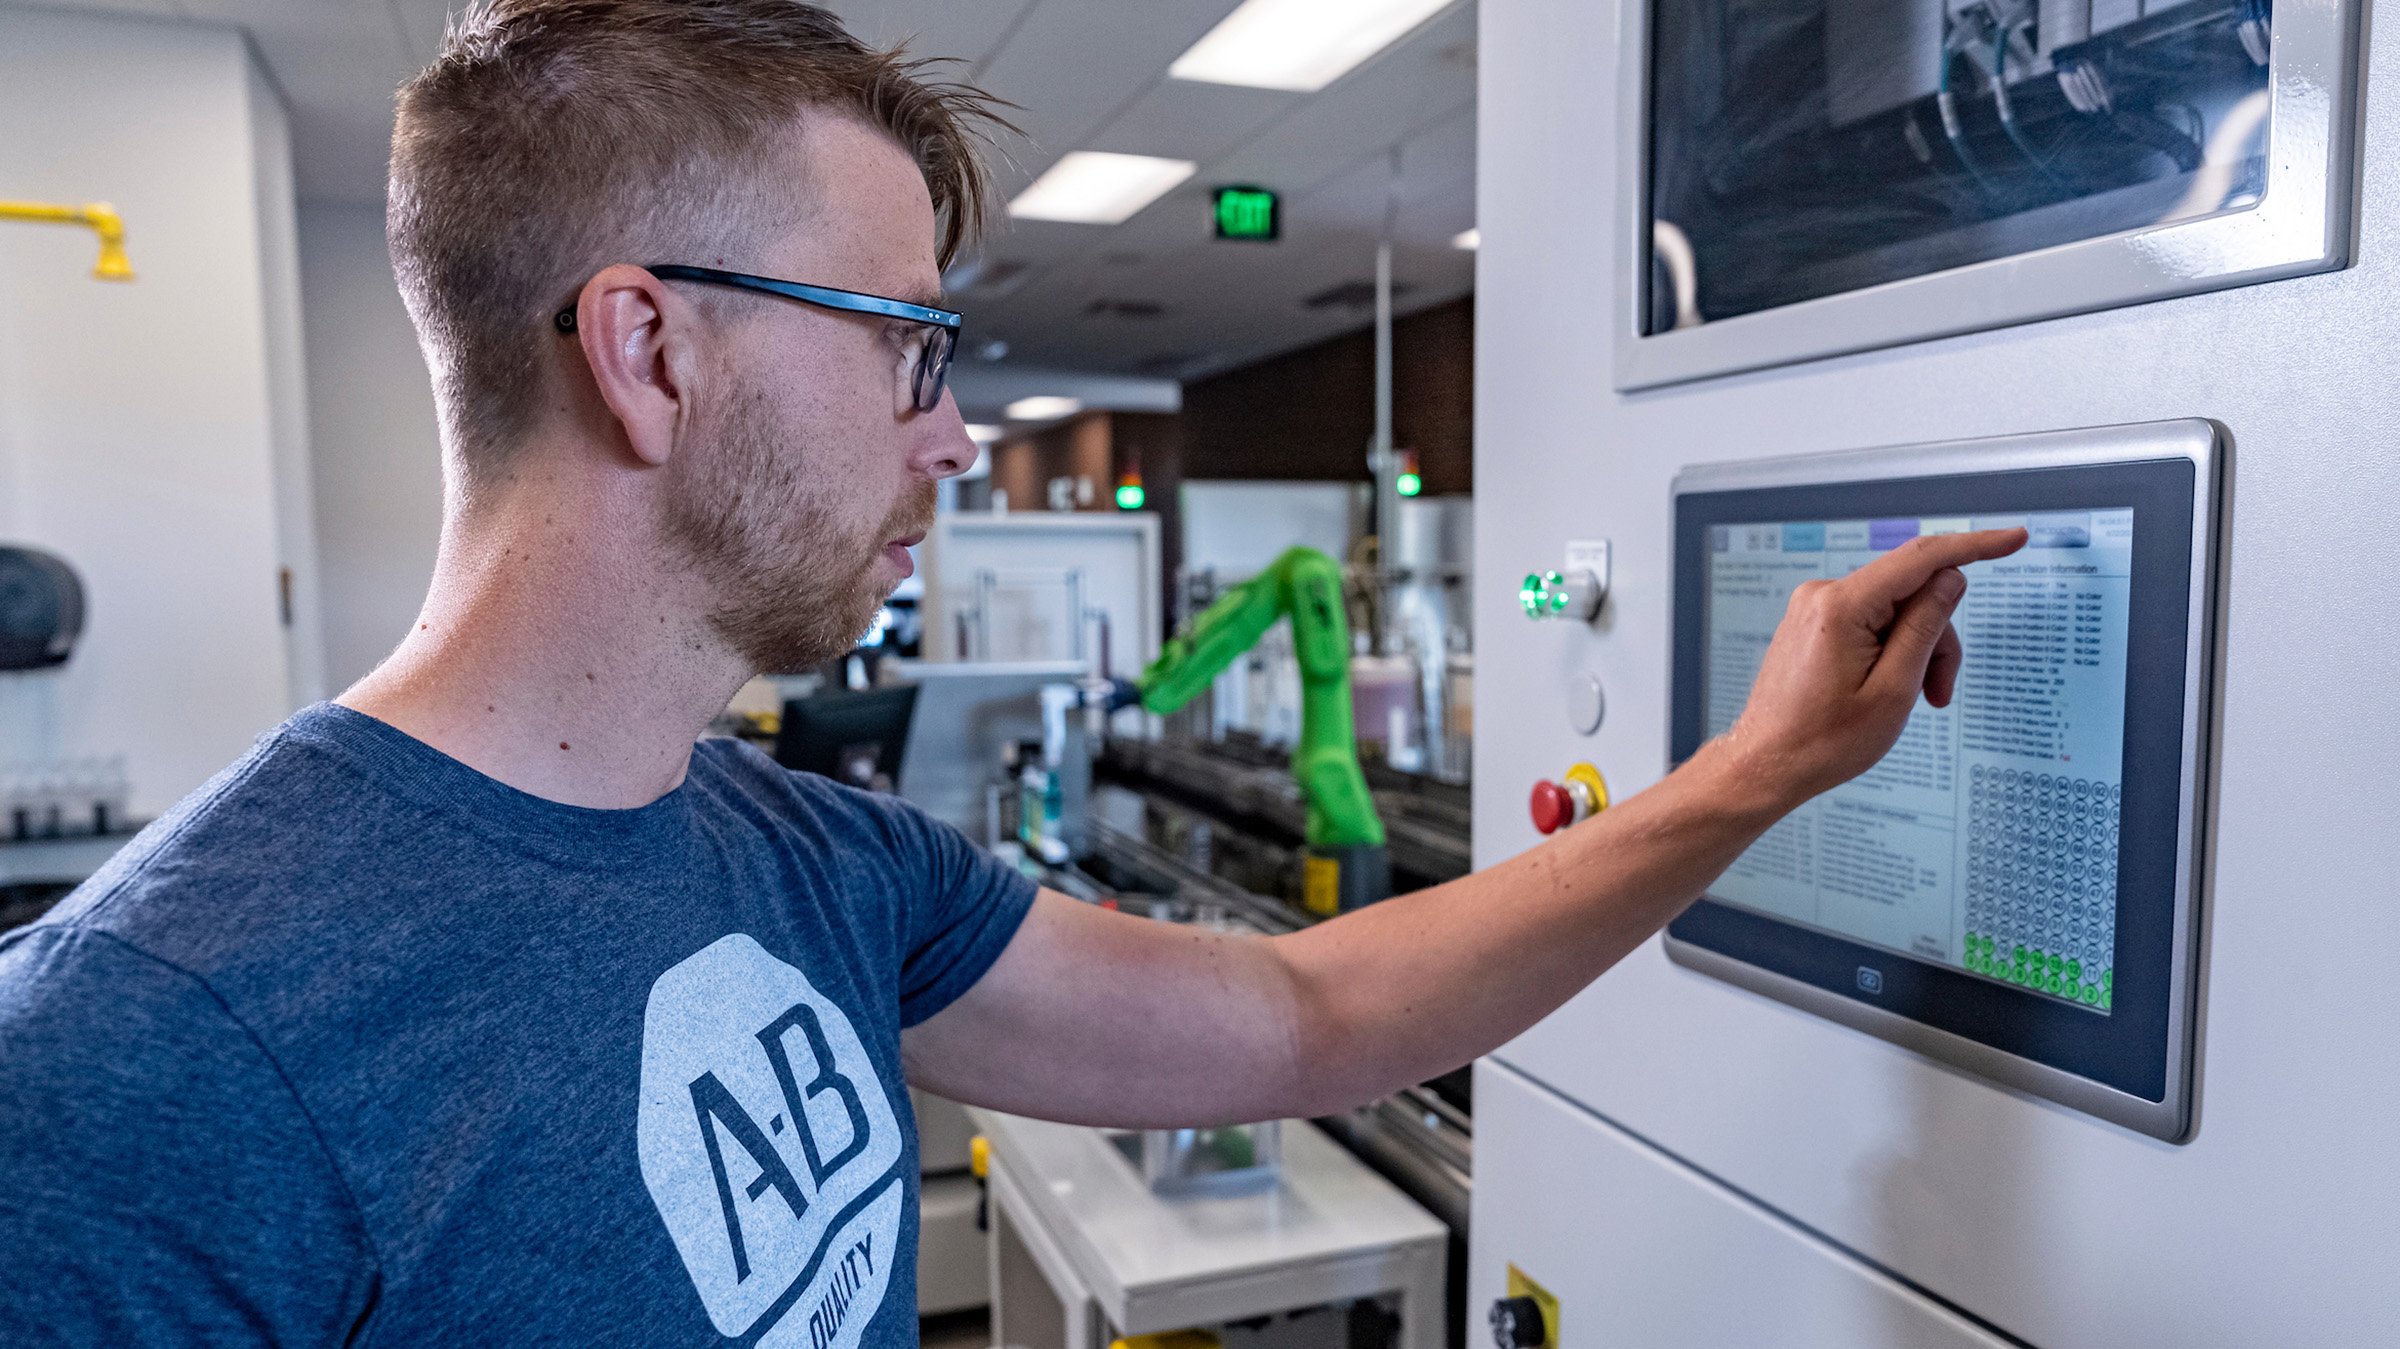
1307, 585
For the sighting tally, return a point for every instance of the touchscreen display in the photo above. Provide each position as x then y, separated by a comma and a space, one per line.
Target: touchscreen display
1987, 839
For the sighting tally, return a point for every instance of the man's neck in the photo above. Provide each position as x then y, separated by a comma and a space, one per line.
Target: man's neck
551, 657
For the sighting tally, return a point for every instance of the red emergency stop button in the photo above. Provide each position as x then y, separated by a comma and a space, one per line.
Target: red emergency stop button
1553, 809
1583, 794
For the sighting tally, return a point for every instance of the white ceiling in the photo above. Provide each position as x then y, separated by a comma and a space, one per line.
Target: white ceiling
1086, 74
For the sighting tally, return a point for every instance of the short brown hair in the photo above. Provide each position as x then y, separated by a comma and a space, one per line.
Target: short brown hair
554, 137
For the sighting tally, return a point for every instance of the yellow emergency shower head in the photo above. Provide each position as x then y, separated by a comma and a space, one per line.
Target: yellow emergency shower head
99, 217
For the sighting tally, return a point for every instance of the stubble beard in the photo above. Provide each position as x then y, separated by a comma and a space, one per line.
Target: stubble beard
795, 581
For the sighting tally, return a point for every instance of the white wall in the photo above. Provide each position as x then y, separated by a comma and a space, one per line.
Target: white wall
377, 448
2277, 1224
1239, 528
145, 428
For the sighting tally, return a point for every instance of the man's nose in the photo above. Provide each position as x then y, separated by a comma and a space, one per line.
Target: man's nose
943, 449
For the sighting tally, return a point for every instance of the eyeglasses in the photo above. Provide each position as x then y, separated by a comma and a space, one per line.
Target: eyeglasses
941, 325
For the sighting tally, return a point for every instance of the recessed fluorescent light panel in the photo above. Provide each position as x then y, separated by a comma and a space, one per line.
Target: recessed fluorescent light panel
1302, 45
1043, 407
984, 433
1090, 187
1469, 239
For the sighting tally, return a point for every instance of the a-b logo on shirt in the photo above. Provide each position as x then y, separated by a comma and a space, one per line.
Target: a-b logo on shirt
770, 1147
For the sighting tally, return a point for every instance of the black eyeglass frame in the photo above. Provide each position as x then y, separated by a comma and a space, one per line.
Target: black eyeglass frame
933, 371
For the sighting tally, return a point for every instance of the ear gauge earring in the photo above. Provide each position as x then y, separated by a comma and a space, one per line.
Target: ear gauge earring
565, 319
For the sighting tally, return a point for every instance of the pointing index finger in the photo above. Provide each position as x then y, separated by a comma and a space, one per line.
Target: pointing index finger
1904, 571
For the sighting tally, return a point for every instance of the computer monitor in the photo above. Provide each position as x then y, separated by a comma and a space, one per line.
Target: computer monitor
966, 711
852, 737
2014, 888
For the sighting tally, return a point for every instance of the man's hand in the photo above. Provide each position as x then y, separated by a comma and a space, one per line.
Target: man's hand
1850, 657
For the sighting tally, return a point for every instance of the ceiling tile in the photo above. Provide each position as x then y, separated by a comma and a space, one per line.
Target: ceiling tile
324, 53
1072, 65
151, 9
1418, 84
967, 30
423, 23
1198, 122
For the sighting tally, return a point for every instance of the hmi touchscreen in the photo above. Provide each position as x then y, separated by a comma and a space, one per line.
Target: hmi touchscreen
1987, 839
2013, 889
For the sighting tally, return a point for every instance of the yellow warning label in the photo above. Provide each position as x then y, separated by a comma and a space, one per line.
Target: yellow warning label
1521, 1286
1173, 1339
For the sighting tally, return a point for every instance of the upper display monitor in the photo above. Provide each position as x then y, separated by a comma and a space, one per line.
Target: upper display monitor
2014, 888
1789, 155
1848, 143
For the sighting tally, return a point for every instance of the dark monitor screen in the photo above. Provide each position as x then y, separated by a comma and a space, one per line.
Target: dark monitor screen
852, 737
2010, 888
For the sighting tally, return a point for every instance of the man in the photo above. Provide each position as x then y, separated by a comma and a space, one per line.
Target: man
483, 1006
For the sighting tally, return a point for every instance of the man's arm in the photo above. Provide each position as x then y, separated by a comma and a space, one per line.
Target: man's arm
1095, 1017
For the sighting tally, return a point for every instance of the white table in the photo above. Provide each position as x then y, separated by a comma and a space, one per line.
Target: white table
1330, 1231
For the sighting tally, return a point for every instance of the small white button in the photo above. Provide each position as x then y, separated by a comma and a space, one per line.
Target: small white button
1587, 705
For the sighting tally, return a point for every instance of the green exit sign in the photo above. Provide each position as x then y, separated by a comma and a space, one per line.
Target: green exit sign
1249, 213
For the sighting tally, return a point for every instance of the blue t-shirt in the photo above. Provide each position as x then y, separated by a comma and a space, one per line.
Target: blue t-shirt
361, 1046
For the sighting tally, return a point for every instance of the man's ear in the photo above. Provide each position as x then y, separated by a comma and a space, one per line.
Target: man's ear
637, 339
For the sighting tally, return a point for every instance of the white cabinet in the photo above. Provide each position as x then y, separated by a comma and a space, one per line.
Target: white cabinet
1640, 1249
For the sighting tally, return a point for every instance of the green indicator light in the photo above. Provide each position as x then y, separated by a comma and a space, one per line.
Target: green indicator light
1529, 595
1129, 497
1249, 213
1411, 484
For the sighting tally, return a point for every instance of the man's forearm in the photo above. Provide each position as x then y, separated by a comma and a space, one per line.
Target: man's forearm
1419, 984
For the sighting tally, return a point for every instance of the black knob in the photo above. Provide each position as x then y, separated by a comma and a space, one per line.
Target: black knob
1517, 1324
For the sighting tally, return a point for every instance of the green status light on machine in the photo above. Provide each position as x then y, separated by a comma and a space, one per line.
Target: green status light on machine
1129, 497
1410, 484
1570, 594
1544, 595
